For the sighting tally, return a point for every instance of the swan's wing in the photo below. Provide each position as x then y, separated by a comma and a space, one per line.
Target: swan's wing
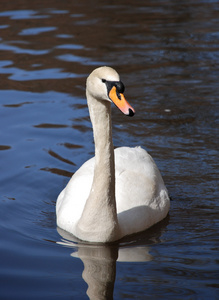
140, 192
72, 199
141, 196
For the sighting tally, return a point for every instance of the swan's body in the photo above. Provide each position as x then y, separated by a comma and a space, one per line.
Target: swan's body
105, 201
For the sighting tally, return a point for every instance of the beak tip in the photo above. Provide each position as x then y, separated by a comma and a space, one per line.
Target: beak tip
131, 112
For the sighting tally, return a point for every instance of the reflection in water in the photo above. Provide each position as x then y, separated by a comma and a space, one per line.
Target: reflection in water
167, 53
99, 270
100, 259
5, 147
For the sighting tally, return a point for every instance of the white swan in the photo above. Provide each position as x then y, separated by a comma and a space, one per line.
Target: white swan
116, 193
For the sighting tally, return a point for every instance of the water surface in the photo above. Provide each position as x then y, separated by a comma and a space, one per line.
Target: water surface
167, 55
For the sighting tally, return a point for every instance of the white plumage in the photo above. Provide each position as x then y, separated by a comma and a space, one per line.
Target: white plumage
118, 202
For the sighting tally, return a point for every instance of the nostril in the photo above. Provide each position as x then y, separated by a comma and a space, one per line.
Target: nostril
118, 94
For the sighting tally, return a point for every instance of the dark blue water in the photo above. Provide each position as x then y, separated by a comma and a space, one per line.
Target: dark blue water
167, 54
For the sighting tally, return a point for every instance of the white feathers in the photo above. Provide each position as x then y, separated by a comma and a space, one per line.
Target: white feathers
103, 204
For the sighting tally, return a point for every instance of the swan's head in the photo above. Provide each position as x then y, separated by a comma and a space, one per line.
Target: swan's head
104, 84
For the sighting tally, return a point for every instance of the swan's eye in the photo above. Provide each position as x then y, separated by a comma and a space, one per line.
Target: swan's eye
103, 80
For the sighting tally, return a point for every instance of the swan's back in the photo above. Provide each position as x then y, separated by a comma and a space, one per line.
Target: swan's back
141, 197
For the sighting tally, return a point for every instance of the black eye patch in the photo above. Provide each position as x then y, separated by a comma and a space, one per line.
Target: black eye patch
120, 88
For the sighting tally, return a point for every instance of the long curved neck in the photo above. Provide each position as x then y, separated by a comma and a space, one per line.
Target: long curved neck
104, 153
99, 218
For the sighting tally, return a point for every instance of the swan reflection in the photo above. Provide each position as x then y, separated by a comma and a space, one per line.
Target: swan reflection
100, 259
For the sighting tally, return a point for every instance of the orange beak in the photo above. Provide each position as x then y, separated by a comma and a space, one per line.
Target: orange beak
120, 101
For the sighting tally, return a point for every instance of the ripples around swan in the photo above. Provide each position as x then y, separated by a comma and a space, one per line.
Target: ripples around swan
167, 54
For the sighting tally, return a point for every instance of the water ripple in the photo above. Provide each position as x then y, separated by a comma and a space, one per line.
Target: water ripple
18, 50
21, 14
37, 30
167, 54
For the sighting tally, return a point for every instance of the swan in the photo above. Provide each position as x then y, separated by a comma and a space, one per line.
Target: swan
118, 192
